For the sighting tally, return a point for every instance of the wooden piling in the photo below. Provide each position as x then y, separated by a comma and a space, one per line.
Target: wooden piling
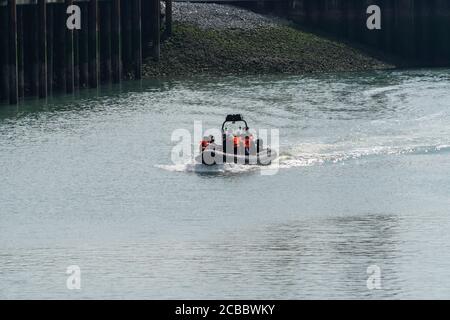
116, 41
50, 46
168, 30
33, 51
59, 48
42, 10
127, 38
93, 43
156, 29
12, 19
20, 51
424, 36
76, 58
351, 20
146, 9
441, 34
4, 66
387, 25
83, 47
69, 53
404, 28
43, 55
137, 38
314, 13
360, 21
105, 41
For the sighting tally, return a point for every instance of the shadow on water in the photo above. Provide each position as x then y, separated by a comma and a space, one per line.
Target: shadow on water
83, 99
226, 173
336, 94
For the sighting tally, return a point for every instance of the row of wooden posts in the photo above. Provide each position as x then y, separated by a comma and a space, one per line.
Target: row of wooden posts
40, 55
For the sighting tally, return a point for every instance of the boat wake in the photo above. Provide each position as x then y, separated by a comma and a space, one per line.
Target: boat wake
227, 168
309, 154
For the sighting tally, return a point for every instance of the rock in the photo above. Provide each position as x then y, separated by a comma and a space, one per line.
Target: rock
220, 16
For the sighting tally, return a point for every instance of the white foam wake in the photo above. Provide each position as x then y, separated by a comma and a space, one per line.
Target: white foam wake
309, 154
217, 169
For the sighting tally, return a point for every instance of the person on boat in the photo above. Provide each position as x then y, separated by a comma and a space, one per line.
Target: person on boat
247, 144
236, 141
239, 132
204, 143
247, 132
228, 135
212, 144
249, 141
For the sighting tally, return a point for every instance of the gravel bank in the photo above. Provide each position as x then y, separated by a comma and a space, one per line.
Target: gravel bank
216, 16
222, 39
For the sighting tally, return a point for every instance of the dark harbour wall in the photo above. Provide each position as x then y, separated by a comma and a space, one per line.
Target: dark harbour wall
416, 31
39, 55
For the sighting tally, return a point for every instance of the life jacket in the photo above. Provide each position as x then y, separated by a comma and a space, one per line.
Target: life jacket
204, 144
236, 141
247, 142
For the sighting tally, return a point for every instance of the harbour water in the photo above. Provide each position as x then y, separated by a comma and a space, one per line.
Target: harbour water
363, 181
